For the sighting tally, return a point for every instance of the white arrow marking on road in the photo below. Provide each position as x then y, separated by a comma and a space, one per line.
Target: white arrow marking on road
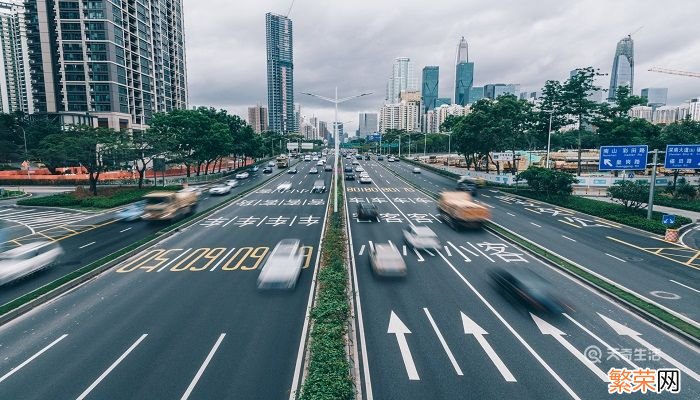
471, 328
420, 258
549, 329
397, 327
623, 330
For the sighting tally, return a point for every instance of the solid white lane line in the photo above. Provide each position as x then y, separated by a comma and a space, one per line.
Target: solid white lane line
124, 230
451, 356
371, 245
511, 214
617, 258
174, 259
447, 250
601, 341
532, 223
568, 238
30, 359
362, 250
513, 331
685, 286
202, 368
420, 258
428, 251
111, 367
467, 259
481, 252
405, 253
222, 260
485, 195
86, 245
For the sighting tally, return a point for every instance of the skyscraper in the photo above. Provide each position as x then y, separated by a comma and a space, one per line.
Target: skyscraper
402, 79
280, 74
367, 124
15, 90
118, 61
623, 67
257, 118
430, 84
656, 97
464, 74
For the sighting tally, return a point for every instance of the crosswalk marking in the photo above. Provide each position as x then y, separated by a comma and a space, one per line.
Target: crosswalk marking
34, 219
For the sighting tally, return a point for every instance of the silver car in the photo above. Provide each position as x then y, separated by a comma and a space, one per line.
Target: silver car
220, 189
386, 260
283, 266
25, 260
421, 237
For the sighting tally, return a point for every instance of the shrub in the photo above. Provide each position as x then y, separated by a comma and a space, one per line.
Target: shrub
684, 190
107, 197
630, 194
548, 181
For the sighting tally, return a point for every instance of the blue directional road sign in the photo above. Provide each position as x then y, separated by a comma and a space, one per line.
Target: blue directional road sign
668, 219
682, 156
615, 158
374, 138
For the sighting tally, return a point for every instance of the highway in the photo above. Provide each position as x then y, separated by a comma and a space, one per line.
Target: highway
84, 237
445, 331
182, 319
665, 273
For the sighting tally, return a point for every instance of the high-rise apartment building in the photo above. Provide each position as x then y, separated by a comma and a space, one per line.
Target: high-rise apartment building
656, 97
15, 80
280, 74
642, 112
119, 62
430, 84
464, 74
367, 124
402, 79
623, 67
257, 118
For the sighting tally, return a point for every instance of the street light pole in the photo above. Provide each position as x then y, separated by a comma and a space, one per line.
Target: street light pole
650, 205
549, 138
336, 101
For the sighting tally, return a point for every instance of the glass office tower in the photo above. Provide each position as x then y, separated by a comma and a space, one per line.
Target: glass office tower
623, 67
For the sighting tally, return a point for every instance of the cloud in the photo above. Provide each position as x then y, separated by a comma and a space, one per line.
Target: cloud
352, 45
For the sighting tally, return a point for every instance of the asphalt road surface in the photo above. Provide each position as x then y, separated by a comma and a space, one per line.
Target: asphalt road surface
446, 332
183, 319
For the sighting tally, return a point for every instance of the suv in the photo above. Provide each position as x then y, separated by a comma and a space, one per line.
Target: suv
348, 168
349, 176
367, 211
319, 186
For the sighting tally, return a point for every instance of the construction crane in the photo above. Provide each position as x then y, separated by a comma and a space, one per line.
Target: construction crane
675, 72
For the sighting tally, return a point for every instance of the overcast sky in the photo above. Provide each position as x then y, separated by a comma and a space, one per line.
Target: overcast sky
352, 45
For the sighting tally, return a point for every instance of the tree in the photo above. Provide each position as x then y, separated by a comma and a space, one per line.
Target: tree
548, 181
145, 146
575, 101
631, 194
95, 149
684, 190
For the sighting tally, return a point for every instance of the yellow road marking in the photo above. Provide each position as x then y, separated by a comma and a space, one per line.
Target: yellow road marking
697, 253
654, 252
569, 223
536, 212
607, 223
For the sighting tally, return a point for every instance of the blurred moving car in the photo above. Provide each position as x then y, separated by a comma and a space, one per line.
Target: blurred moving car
467, 185
220, 189
284, 186
242, 175
283, 266
349, 176
163, 206
365, 179
255, 168
132, 212
390, 159
292, 171
416, 170
421, 237
271, 164
385, 260
231, 182
313, 170
328, 168
27, 259
380, 158
528, 287
319, 186
367, 211
267, 170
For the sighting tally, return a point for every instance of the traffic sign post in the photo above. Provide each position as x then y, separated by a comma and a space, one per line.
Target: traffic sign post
616, 158
682, 156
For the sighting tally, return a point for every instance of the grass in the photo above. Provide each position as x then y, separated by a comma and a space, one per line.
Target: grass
6, 194
328, 376
610, 211
81, 198
690, 205
614, 290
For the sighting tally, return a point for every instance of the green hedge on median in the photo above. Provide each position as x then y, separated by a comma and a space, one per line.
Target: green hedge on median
610, 211
328, 375
107, 197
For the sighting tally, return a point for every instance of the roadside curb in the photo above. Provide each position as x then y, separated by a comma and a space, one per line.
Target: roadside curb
57, 287
557, 261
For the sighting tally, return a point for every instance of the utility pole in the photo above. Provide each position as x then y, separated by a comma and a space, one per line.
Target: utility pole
650, 204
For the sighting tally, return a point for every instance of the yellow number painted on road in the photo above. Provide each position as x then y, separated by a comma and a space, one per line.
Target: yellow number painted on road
257, 254
193, 257
160, 258
133, 264
408, 189
307, 251
350, 189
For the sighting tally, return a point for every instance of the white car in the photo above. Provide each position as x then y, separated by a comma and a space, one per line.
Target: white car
390, 159
319, 186
232, 182
271, 164
421, 237
314, 158
283, 266
365, 179
27, 259
307, 158
416, 170
359, 169
313, 170
220, 189
284, 186
320, 163
242, 175
385, 259
355, 162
